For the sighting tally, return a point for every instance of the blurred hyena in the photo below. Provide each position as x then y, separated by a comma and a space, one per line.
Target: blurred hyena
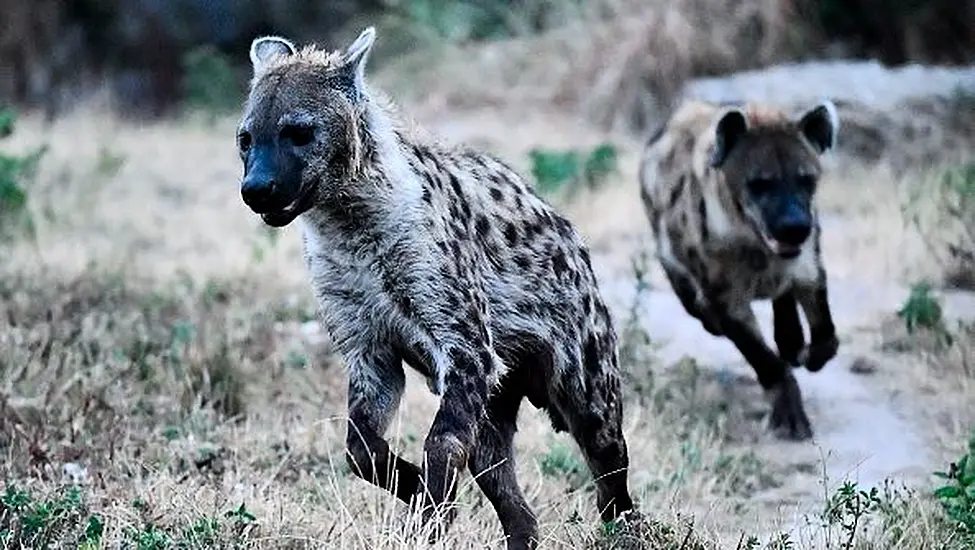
442, 258
729, 193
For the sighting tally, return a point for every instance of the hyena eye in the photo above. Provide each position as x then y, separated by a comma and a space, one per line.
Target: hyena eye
244, 141
298, 135
759, 186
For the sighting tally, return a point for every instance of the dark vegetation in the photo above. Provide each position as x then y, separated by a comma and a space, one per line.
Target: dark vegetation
54, 52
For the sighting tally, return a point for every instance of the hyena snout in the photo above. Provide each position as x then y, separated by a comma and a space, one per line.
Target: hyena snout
789, 229
792, 231
261, 193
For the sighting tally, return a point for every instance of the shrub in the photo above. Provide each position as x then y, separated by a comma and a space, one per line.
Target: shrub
572, 169
957, 494
947, 223
210, 83
16, 173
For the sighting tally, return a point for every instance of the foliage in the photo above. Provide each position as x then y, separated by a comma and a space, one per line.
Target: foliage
957, 494
572, 169
63, 518
949, 229
921, 309
465, 21
16, 173
210, 83
30, 522
561, 461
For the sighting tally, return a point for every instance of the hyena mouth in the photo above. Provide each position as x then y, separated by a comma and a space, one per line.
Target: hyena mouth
281, 218
779, 248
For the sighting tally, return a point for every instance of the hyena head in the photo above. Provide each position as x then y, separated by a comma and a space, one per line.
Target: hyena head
299, 133
771, 166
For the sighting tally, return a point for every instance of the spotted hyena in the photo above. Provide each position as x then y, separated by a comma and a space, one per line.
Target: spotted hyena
729, 192
440, 258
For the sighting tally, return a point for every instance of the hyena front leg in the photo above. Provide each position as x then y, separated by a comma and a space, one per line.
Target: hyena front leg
493, 467
823, 343
788, 419
787, 328
451, 439
375, 386
691, 297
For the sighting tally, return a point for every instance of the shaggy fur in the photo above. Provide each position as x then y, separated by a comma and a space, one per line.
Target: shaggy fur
443, 259
729, 194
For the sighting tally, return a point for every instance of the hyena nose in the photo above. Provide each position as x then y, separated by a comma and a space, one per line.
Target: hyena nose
793, 232
257, 192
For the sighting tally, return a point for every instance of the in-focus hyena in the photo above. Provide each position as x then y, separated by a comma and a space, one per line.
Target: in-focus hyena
729, 192
443, 259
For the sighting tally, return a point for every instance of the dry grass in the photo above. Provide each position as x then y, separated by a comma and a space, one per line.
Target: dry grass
156, 351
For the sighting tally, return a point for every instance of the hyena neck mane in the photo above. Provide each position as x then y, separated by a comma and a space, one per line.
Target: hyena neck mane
382, 194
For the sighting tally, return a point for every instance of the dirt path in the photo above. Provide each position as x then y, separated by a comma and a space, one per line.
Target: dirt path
864, 432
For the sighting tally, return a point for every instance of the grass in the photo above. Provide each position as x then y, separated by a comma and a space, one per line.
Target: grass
162, 384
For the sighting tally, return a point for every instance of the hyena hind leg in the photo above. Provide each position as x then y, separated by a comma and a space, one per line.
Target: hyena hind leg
596, 425
787, 328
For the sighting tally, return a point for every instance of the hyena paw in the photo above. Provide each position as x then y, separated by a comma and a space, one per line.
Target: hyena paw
710, 322
816, 355
788, 419
793, 354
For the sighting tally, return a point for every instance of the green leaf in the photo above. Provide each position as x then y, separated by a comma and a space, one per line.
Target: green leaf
94, 530
7, 118
948, 491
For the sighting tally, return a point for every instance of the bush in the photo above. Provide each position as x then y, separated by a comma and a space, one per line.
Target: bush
570, 170
943, 212
210, 83
16, 173
957, 494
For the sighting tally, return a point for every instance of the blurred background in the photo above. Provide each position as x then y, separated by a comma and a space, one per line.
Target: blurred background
152, 56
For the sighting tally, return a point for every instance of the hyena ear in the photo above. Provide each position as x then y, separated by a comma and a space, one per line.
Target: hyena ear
729, 129
355, 57
819, 125
266, 47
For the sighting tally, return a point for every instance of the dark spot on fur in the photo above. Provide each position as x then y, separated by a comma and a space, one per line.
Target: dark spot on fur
657, 134
426, 195
465, 206
483, 226
496, 194
510, 234
559, 264
702, 211
455, 184
523, 261
676, 192
486, 361
590, 355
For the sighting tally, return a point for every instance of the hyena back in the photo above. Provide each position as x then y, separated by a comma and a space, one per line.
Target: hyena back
729, 192
440, 258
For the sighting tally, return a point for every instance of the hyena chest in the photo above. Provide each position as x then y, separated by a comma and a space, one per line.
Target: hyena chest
748, 273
